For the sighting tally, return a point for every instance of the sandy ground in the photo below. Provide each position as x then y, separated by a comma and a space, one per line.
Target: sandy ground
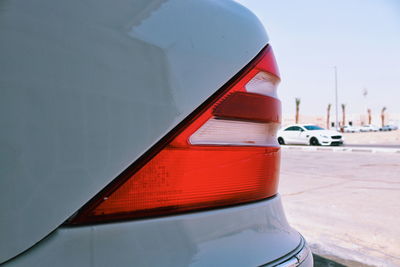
345, 204
384, 138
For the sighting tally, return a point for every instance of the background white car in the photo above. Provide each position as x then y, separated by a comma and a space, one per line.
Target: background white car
388, 128
308, 134
369, 128
350, 129
140, 133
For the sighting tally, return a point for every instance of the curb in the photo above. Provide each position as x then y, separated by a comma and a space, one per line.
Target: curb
343, 149
320, 261
331, 261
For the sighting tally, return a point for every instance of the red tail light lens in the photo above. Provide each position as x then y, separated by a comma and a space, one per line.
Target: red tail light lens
224, 153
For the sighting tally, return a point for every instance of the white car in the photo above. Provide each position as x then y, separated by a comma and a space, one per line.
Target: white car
140, 133
388, 128
369, 128
308, 134
350, 129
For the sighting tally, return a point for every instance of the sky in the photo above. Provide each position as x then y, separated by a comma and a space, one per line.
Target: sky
309, 37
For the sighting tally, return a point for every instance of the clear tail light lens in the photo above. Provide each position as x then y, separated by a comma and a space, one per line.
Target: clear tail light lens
263, 83
235, 133
224, 153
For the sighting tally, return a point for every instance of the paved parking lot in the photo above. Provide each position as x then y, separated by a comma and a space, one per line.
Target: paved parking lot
346, 204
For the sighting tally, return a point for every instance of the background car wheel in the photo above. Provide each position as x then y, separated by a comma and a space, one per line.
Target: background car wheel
281, 141
314, 142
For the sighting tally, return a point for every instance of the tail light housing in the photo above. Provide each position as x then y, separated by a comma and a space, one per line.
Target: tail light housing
224, 153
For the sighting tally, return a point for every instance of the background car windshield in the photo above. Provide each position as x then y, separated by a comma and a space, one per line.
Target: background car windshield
313, 127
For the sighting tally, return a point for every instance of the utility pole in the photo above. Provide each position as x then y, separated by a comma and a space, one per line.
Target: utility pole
336, 100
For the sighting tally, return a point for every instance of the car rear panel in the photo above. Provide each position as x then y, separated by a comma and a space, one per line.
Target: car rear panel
86, 89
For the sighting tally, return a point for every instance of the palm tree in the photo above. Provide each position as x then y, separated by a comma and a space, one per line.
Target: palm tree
383, 116
297, 109
344, 114
328, 116
369, 116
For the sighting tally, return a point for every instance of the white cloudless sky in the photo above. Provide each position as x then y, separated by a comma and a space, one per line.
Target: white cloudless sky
310, 37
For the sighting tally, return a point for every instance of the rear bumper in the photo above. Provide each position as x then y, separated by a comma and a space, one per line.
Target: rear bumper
302, 256
247, 235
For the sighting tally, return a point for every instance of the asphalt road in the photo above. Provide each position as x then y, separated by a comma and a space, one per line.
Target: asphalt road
347, 205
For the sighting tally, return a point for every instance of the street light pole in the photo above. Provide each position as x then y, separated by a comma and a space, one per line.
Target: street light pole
336, 100
365, 93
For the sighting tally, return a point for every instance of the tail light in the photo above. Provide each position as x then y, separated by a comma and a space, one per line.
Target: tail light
224, 153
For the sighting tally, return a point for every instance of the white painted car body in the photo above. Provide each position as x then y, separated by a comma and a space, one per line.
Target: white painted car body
300, 134
388, 128
369, 128
248, 235
350, 129
86, 89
